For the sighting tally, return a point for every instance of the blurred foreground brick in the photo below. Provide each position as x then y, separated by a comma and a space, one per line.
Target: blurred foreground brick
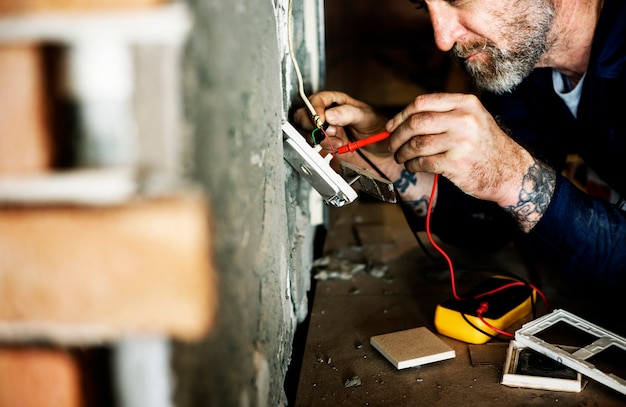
85, 274
33, 6
24, 133
39, 378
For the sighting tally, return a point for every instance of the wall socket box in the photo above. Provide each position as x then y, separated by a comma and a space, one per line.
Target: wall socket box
316, 169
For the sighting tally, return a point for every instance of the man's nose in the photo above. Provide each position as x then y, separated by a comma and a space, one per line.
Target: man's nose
446, 25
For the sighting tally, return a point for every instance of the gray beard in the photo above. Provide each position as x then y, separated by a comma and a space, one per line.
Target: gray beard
506, 69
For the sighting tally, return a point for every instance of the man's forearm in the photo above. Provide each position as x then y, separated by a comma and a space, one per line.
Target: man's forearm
415, 190
534, 197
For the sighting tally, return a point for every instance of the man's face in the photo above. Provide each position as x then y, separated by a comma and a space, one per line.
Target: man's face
519, 38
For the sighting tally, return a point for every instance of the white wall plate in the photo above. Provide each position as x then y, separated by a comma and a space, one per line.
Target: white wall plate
527, 368
587, 348
316, 169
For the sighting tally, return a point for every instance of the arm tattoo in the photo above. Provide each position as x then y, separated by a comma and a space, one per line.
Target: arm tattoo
402, 184
407, 178
420, 206
537, 189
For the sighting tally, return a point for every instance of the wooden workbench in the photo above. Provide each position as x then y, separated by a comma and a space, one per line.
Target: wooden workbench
380, 281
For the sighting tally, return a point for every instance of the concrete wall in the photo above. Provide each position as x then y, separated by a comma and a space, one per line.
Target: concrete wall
238, 87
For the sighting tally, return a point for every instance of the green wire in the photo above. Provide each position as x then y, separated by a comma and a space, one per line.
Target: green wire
317, 135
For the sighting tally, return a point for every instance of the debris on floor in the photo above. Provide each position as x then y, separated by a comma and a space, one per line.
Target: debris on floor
354, 381
345, 264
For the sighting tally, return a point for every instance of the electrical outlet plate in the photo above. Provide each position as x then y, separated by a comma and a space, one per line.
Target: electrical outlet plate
316, 169
527, 368
576, 343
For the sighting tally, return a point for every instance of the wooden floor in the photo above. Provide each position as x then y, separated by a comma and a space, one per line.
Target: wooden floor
375, 279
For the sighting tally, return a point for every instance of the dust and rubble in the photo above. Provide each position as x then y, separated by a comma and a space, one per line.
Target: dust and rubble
343, 265
353, 381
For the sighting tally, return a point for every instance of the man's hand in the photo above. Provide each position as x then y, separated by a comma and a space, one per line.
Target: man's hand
346, 115
341, 111
455, 136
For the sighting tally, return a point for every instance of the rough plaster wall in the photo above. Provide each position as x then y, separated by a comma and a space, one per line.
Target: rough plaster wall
307, 39
235, 100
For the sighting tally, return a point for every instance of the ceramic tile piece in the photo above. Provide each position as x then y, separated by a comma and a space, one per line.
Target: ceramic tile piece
412, 347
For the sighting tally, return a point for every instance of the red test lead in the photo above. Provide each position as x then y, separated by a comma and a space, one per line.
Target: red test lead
350, 147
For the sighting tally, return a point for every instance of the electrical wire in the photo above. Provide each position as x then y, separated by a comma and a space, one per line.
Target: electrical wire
479, 312
428, 216
470, 323
405, 210
296, 66
515, 284
432, 241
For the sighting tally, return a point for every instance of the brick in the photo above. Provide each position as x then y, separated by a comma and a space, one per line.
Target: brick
83, 274
25, 138
35, 6
39, 378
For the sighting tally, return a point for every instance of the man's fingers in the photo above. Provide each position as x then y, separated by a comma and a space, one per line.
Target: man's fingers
433, 102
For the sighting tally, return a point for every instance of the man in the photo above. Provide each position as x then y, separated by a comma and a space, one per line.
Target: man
554, 79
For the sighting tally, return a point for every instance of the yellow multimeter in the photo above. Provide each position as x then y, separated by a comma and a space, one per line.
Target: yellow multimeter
501, 307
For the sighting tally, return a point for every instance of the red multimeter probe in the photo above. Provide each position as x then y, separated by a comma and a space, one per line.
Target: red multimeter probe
354, 145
